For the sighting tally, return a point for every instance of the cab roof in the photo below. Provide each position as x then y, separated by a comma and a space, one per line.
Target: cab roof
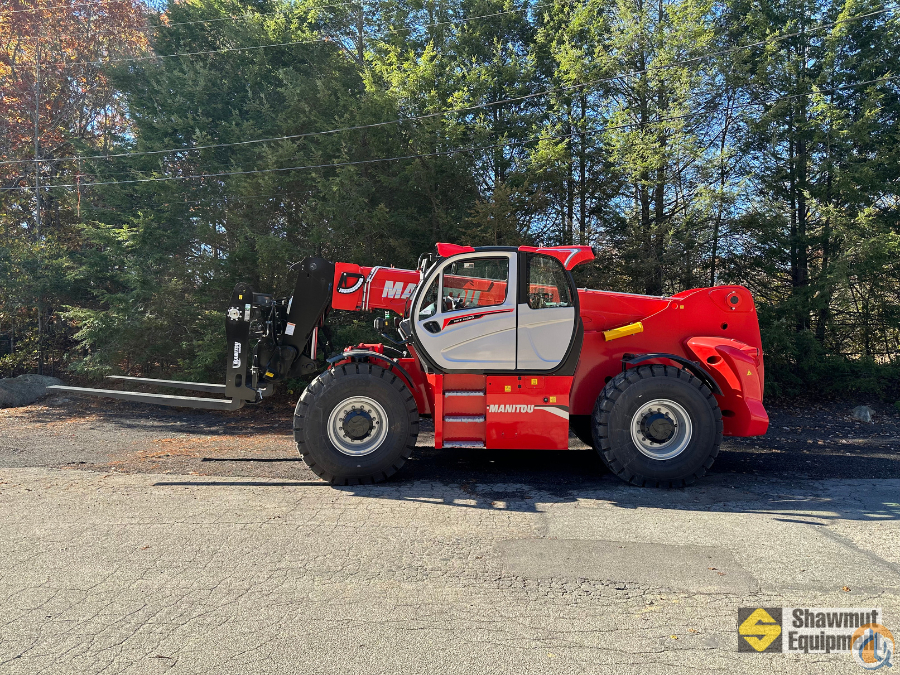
569, 256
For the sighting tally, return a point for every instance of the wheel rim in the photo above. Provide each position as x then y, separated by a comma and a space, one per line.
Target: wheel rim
661, 429
357, 426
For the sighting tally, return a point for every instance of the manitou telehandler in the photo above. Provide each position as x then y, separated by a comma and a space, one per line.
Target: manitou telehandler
501, 350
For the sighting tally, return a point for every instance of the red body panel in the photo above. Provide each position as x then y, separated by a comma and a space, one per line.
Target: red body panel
696, 324
528, 412
379, 288
569, 256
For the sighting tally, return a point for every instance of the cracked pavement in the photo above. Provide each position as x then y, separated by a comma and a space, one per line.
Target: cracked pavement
493, 570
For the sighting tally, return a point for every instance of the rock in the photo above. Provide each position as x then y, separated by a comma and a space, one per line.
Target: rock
863, 413
24, 390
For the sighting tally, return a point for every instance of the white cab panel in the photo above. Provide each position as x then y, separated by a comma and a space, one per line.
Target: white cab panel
485, 343
478, 336
544, 336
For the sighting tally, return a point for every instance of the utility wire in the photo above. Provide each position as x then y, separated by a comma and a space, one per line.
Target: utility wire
153, 57
80, 4
308, 166
327, 39
463, 108
128, 2
576, 133
447, 152
285, 16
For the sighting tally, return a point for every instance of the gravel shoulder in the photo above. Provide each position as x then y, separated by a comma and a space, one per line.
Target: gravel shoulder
811, 441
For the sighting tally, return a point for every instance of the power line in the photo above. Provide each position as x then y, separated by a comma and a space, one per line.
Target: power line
281, 44
533, 137
342, 4
81, 4
296, 168
224, 50
129, 2
463, 108
234, 17
445, 152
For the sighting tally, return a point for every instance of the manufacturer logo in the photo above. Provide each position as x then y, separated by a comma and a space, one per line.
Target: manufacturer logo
234, 313
509, 408
236, 363
873, 646
759, 629
394, 289
558, 410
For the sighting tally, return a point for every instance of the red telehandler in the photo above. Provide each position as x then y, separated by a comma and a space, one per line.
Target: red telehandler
502, 351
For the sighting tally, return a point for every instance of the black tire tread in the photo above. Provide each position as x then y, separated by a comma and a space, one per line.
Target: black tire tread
321, 384
606, 401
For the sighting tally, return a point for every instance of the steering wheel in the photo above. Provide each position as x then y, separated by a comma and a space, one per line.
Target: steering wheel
453, 303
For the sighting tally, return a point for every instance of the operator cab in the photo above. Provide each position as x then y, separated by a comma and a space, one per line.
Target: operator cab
496, 309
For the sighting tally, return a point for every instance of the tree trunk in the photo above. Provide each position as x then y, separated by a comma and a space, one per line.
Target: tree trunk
824, 313
582, 172
717, 221
568, 237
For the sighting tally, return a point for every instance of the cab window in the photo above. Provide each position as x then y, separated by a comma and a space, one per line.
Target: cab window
548, 285
428, 307
473, 283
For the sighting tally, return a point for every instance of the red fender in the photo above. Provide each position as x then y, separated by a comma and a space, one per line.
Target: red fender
410, 372
737, 369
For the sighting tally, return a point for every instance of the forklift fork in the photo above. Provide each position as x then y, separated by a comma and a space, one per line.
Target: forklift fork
242, 375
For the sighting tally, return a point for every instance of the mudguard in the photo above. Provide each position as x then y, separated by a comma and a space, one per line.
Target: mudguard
738, 370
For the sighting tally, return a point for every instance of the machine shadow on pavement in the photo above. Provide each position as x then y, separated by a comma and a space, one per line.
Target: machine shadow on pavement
527, 481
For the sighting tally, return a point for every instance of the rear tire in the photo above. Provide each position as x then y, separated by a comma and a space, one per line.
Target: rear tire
356, 423
657, 426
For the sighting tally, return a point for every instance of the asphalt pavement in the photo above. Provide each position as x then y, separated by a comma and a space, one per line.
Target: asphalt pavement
186, 547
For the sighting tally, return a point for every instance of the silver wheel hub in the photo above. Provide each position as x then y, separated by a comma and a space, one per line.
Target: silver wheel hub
661, 429
357, 426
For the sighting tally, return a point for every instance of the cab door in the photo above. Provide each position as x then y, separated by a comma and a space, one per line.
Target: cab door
465, 319
547, 314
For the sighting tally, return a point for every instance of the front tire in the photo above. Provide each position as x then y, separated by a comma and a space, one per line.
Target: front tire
657, 426
356, 423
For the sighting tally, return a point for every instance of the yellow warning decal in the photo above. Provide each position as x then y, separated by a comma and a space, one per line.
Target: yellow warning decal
270, 373
624, 331
507, 387
552, 399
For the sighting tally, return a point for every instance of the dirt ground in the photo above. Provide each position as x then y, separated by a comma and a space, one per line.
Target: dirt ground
805, 441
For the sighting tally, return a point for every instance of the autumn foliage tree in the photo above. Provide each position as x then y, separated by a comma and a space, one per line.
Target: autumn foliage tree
55, 102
